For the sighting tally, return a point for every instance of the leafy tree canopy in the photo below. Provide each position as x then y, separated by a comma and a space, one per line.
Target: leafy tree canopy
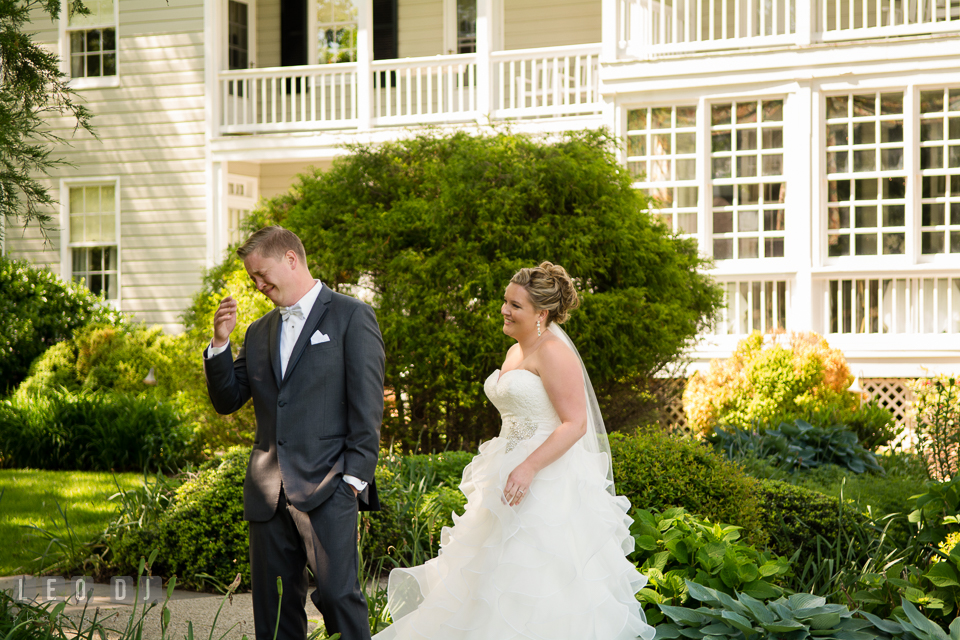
33, 90
432, 228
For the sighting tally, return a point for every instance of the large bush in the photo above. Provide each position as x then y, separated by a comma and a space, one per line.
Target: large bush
660, 472
769, 384
118, 358
201, 532
432, 228
37, 310
93, 431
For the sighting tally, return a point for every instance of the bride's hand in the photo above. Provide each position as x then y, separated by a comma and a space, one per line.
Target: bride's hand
518, 484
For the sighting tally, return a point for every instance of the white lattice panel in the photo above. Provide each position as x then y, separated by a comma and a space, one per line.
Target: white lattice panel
669, 393
892, 394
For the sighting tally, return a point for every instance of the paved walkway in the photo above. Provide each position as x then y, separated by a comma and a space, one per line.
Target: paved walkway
235, 619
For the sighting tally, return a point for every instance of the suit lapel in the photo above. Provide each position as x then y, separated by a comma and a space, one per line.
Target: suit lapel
309, 326
273, 329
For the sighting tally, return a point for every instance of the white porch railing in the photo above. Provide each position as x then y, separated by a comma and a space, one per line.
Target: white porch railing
423, 90
919, 305
531, 83
753, 305
287, 98
844, 19
653, 27
546, 82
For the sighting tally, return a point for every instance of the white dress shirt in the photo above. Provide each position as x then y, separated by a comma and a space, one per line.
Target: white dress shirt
292, 327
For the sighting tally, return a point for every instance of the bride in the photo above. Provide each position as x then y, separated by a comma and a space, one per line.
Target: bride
540, 551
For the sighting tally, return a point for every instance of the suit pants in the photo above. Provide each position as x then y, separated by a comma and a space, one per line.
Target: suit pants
326, 540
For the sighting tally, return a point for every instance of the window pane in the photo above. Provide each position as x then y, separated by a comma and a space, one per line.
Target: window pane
866, 217
838, 245
687, 223
746, 112
686, 143
773, 220
93, 66
686, 116
893, 243
746, 166
891, 104
933, 214
773, 138
773, 165
748, 221
109, 39
721, 141
661, 118
773, 110
864, 133
637, 119
838, 218
748, 194
866, 244
749, 248
891, 131
686, 169
723, 249
110, 64
931, 130
746, 139
773, 248
932, 242
894, 215
864, 106
864, 160
722, 221
931, 157
837, 107
931, 101
636, 145
720, 114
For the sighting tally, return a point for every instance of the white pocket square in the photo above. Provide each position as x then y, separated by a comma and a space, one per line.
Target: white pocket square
318, 337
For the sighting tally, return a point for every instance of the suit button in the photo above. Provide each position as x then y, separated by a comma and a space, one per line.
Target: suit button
282, 403
281, 443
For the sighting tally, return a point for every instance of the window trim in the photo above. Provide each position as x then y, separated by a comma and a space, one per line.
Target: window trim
66, 247
450, 45
87, 83
910, 171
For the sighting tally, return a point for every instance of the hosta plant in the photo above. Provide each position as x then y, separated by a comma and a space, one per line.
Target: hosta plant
795, 617
912, 625
675, 546
797, 445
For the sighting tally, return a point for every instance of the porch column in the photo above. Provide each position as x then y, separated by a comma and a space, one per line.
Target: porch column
806, 21
364, 61
610, 30
485, 76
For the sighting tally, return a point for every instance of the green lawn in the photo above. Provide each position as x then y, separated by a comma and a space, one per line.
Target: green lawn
30, 498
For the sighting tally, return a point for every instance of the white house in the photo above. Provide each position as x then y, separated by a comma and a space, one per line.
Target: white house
811, 146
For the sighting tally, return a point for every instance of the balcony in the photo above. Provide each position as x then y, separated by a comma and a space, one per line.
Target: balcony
502, 85
650, 28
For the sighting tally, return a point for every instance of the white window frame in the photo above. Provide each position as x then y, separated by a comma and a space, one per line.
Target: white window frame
909, 170
450, 45
251, 33
246, 202
66, 247
65, 54
708, 182
313, 34
953, 174
674, 210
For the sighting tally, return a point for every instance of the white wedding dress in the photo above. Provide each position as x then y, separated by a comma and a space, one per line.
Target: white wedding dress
551, 568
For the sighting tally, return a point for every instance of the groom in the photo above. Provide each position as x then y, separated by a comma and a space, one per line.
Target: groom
314, 368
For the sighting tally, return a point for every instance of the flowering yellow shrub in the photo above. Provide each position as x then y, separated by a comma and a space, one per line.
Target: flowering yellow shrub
785, 378
937, 412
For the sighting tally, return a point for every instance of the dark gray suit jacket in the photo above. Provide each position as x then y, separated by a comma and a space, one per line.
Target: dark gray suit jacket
322, 420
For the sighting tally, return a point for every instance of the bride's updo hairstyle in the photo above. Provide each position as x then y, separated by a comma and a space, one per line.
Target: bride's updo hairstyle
550, 287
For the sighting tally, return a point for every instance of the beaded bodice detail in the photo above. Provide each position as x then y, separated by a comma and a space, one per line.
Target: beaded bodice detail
523, 403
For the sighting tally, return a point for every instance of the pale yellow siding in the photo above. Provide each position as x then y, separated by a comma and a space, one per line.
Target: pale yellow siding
420, 28
550, 23
151, 137
278, 177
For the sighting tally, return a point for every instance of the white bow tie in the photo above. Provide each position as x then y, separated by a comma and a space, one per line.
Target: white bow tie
293, 310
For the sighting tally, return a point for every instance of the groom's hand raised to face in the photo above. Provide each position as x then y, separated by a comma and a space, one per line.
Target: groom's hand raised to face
224, 321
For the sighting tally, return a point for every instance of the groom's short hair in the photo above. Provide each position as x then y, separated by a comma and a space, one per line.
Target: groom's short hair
273, 242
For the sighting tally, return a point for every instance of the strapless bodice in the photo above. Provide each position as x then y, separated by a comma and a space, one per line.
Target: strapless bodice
523, 403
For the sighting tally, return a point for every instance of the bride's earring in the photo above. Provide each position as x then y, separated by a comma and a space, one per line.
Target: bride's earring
538, 327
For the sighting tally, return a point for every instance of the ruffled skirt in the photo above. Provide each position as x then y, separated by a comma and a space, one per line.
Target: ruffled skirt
552, 568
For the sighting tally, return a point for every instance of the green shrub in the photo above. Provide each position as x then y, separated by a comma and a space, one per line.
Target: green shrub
794, 517
93, 431
201, 532
656, 471
874, 425
676, 546
38, 310
418, 495
439, 222
769, 383
796, 446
